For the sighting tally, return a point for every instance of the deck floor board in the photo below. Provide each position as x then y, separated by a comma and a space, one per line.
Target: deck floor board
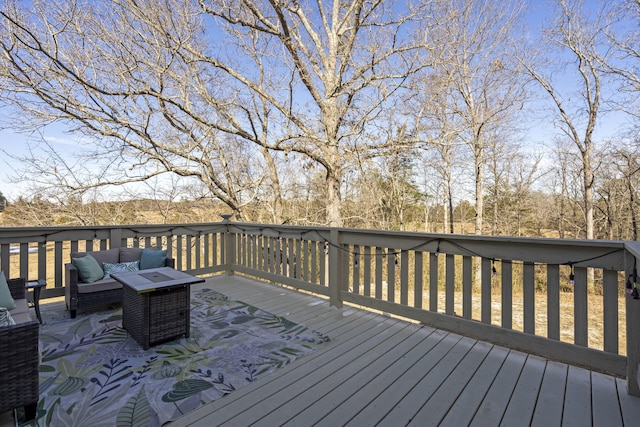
550, 400
379, 379
400, 394
495, 402
351, 393
437, 407
465, 407
604, 399
577, 399
523, 400
286, 403
435, 386
379, 370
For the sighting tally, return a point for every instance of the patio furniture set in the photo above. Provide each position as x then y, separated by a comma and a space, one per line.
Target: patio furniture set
155, 302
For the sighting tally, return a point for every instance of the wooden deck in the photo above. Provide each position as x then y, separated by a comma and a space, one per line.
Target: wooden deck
379, 370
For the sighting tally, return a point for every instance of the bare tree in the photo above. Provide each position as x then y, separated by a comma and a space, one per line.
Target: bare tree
143, 106
627, 162
510, 181
209, 90
347, 59
483, 91
438, 124
623, 35
578, 36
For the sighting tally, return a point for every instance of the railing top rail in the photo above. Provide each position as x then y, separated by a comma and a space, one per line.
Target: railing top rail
32, 234
607, 254
9, 232
633, 248
265, 228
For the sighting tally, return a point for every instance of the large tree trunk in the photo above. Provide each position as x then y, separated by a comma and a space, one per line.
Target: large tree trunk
632, 207
479, 188
277, 209
588, 196
450, 208
333, 215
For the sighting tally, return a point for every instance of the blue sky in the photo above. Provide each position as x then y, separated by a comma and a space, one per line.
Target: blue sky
57, 135
17, 144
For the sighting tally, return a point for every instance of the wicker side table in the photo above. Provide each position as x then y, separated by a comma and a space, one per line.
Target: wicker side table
156, 316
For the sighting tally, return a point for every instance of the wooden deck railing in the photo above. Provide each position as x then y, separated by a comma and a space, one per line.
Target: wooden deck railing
562, 299
41, 252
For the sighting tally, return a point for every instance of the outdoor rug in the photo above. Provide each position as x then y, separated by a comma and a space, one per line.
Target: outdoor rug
94, 374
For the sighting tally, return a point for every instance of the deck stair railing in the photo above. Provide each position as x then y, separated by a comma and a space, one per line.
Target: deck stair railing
569, 300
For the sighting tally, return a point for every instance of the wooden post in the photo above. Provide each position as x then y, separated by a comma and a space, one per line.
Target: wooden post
115, 238
336, 269
229, 250
633, 328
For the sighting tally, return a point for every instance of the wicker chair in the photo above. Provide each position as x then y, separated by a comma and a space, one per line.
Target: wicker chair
20, 359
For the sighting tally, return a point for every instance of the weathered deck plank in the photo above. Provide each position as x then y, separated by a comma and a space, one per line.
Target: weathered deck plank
351, 395
523, 400
550, 399
439, 388
495, 401
577, 399
400, 393
465, 407
277, 407
437, 407
629, 405
604, 398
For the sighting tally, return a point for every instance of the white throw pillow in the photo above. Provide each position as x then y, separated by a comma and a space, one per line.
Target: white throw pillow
5, 317
119, 268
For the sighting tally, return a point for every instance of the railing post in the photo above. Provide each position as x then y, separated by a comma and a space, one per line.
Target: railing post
632, 308
336, 269
229, 251
115, 238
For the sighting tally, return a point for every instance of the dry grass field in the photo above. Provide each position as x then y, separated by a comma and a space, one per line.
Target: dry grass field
595, 315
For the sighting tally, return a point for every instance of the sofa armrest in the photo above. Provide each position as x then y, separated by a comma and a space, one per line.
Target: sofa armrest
170, 262
17, 287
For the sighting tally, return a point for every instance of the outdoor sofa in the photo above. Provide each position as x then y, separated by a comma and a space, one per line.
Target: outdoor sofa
87, 284
19, 346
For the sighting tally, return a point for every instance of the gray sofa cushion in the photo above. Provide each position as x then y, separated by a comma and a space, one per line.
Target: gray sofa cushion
21, 313
100, 285
129, 254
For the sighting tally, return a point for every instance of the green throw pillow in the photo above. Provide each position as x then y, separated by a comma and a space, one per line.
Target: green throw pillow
6, 300
152, 258
120, 267
88, 269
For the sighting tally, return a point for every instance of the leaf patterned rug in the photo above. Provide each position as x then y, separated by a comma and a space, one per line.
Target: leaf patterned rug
93, 374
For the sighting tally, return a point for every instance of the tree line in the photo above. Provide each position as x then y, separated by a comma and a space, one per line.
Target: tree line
395, 115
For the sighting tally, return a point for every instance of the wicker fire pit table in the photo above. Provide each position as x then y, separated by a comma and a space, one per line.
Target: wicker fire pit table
156, 304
